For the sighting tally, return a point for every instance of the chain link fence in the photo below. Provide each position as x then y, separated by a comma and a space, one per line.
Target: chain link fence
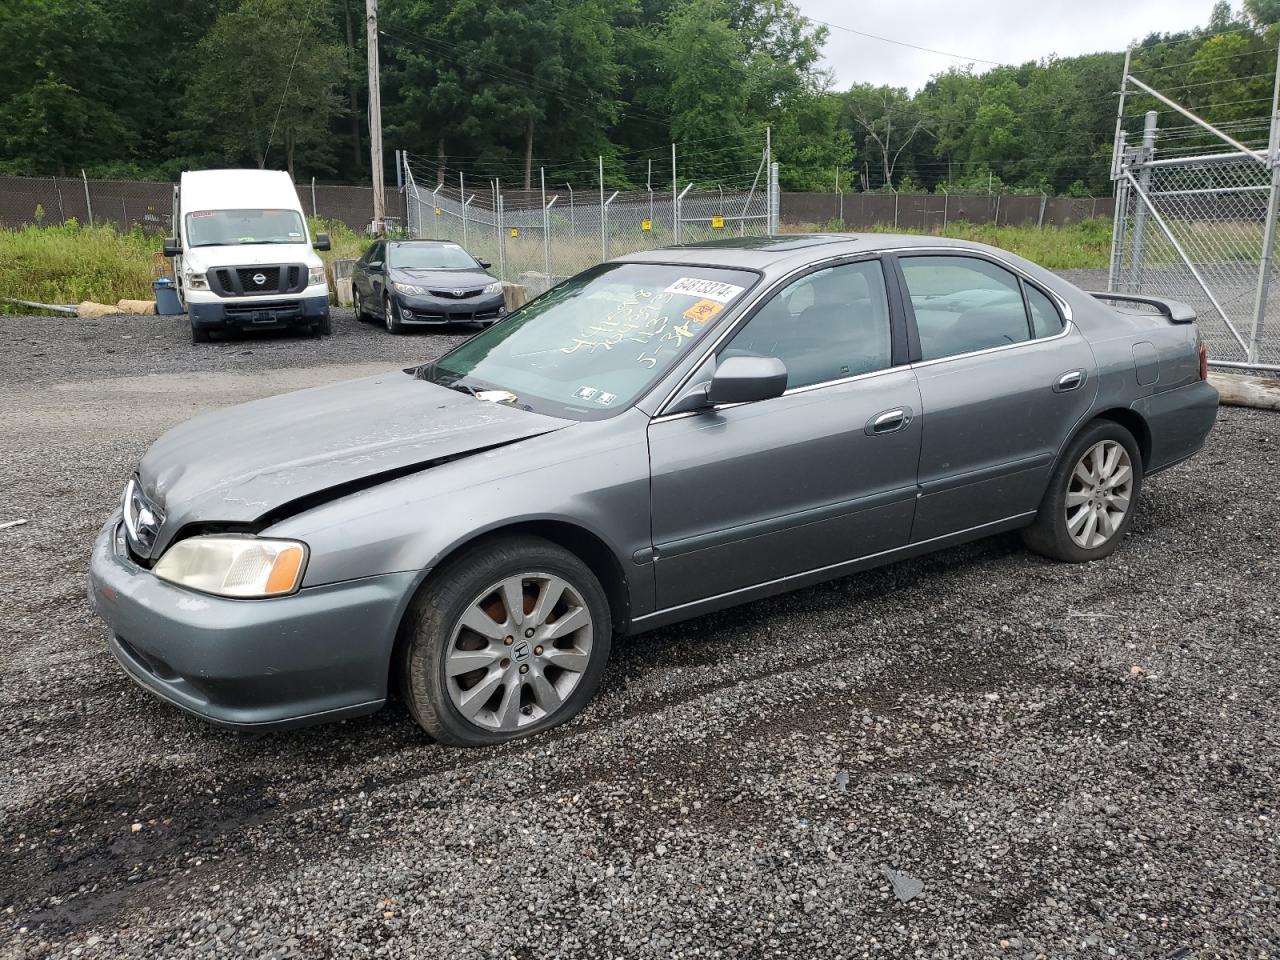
148, 204
539, 238
1195, 221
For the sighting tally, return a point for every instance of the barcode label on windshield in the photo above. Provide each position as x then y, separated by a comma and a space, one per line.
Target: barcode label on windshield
706, 289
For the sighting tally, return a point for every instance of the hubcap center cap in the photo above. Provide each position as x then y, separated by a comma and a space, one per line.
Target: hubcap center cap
521, 652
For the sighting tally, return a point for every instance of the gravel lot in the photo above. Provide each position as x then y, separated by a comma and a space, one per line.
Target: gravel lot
1075, 760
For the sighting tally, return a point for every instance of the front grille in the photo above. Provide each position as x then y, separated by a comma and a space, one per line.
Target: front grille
243, 281
269, 310
259, 279
455, 294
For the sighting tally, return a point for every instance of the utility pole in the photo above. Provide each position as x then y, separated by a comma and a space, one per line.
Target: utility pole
375, 118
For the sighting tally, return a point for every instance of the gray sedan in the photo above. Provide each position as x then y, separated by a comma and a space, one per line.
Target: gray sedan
664, 435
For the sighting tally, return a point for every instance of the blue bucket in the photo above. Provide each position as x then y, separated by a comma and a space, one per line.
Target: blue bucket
167, 303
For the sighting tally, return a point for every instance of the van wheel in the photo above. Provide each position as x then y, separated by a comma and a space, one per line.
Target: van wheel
199, 334
326, 325
509, 639
1091, 497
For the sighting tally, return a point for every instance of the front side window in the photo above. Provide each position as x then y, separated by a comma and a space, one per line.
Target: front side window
963, 304
435, 256
593, 344
827, 325
218, 228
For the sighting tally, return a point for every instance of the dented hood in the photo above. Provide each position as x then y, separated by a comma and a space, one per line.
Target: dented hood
239, 464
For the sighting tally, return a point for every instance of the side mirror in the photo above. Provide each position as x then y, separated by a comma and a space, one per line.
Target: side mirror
321, 241
374, 265
484, 263
747, 379
171, 247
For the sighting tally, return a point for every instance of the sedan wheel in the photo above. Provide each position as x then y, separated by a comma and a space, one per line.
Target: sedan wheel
390, 316
1098, 494
358, 307
518, 651
1089, 503
507, 640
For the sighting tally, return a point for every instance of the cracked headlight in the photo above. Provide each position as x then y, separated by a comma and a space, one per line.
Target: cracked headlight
235, 566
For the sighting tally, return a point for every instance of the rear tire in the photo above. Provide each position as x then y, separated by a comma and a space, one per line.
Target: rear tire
1091, 497
362, 315
531, 676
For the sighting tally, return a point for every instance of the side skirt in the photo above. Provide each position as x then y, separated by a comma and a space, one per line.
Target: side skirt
795, 581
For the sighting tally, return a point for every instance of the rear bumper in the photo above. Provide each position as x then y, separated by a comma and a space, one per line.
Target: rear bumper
321, 654
245, 314
1179, 420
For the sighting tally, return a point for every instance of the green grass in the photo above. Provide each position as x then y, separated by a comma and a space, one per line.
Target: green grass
1080, 246
71, 263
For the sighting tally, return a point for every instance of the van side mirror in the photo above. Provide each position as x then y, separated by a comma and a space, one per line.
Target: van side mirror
747, 379
171, 247
321, 241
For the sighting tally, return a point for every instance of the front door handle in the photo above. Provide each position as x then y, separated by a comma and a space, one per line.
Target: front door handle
1072, 380
890, 421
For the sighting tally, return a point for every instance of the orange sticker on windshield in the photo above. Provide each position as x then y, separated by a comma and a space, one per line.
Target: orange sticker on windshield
703, 310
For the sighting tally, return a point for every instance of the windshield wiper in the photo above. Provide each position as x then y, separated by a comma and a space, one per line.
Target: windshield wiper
463, 388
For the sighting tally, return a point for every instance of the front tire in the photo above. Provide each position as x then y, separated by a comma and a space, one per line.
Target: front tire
199, 334
390, 317
508, 640
326, 325
1091, 496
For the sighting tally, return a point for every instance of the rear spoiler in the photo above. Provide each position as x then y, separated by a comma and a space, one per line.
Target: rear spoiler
1173, 310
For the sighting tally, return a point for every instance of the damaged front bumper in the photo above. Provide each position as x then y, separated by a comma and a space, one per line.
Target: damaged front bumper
321, 654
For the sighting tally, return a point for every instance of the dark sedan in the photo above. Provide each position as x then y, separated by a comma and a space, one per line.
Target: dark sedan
411, 283
662, 436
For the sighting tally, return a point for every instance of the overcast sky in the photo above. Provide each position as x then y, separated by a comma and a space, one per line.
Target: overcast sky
1006, 31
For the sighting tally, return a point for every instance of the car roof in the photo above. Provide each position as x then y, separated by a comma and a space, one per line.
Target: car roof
423, 242
763, 252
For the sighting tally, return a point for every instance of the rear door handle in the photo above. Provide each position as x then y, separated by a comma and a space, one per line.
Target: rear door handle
1069, 381
890, 421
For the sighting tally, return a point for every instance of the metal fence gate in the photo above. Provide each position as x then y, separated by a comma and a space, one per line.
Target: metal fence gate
1195, 220
540, 237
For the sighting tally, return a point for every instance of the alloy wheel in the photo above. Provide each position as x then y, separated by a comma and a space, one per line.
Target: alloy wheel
1099, 493
518, 651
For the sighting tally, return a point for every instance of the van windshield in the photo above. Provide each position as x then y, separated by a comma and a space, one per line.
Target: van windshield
216, 228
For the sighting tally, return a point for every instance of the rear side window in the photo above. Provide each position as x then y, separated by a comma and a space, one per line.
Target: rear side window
963, 304
1045, 319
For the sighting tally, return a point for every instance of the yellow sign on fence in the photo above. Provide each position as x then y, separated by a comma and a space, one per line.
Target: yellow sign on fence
515, 232
646, 224
438, 211
717, 223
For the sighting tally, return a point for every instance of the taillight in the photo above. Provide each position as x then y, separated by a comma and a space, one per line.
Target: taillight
1204, 360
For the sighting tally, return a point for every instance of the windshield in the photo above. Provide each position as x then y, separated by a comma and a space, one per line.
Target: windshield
590, 346
215, 228
448, 256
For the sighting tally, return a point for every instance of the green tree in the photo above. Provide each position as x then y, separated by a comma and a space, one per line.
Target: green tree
261, 94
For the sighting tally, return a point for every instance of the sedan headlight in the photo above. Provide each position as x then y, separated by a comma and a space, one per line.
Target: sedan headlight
495, 287
235, 566
411, 288
197, 281
315, 275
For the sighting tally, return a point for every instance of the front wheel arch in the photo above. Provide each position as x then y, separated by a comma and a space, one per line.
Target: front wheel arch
582, 543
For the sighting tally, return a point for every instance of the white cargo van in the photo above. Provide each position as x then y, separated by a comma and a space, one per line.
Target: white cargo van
242, 255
